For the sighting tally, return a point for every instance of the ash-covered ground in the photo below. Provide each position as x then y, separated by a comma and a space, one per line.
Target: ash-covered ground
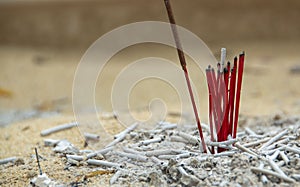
265, 152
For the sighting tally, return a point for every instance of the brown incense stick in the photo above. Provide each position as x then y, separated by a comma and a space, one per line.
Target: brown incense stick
183, 65
38, 161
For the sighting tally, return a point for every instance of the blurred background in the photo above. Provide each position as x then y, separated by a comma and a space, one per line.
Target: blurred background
42, 42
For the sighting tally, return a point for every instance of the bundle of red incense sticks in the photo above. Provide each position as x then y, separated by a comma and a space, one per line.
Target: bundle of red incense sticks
224, 91
224, 88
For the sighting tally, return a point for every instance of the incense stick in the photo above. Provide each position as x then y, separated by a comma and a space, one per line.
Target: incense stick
38, 161
183, 65
58, 128
7, 160
232, 94
238, 92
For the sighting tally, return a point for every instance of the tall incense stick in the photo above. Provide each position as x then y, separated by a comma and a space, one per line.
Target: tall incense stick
238, 91
183, 65
232, 95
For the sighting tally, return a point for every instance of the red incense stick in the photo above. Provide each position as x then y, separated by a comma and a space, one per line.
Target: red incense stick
232, 95
183, 65
224, 97
214, 103
210, 105
238, 92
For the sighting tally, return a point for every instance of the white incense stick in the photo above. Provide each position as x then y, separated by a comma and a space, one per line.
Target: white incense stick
58, 128
223, 58
274, 139
284, 157
76, 157
191, 139
250, 144
89, 136
239, 146
132, 156
150, 141
102, 152
103, 163
223, 143
121, 136
7, 160
115, 177
126, 131
276, 167
161, 152
263, 178
268, 172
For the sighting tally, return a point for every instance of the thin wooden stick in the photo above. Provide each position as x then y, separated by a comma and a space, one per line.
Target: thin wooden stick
183, 65
38, 160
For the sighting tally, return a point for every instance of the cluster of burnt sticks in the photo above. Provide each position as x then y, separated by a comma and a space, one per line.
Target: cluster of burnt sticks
224, 88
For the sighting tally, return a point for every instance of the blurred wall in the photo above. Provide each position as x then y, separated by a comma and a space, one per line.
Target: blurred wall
79, 23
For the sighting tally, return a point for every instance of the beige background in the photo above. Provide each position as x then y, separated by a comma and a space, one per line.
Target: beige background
41, 43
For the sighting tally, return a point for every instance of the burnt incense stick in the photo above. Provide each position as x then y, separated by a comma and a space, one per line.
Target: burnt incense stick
38, 161
183, 65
